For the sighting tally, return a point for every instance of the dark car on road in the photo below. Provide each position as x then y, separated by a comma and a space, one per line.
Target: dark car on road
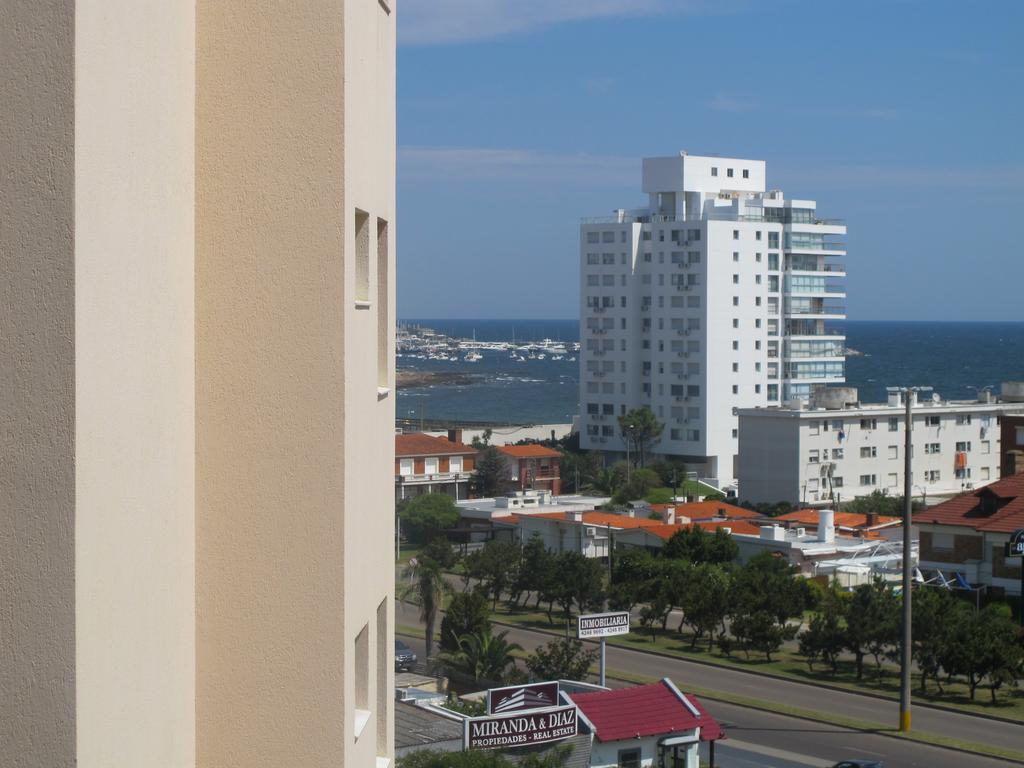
859, 764
404, 657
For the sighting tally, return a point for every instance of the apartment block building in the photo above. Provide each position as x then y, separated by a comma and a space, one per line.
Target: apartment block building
197, 391
835, 448
718, 295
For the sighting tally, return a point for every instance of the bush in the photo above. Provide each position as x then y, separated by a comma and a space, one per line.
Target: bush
428, 516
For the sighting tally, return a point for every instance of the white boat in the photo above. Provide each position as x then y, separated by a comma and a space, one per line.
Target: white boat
472, 357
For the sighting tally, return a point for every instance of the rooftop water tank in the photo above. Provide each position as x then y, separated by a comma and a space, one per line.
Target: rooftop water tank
1013, 391
835, 398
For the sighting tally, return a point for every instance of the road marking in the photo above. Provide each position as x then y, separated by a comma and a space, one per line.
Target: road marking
782, 754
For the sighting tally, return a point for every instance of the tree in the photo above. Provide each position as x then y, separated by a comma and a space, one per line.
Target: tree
495, 566
641, 481
879, 502
929, 629
467, 614
767, 594
563, 658
640, 430
482, 656
825, 637
706, 601
578, 581
427, 587
535, 568
428, 516
695, 545
873, 621
489, 472
482, 442
580, 470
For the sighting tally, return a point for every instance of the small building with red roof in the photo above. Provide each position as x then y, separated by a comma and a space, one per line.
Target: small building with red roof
428, 464
966, 534
531, 467
592, 534
645, 726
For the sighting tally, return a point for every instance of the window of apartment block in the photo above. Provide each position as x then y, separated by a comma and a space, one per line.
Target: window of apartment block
962, 474
735, 234
607, 237
773, 239
746, 173
838, 453
735, 301
736, 279
735, 345
608, 258
894, 424
757, 367
714, 171
593, 258
361, 659
932, 475
455, 464
773, 261
963, 446
385, 657
693, 435
735, 367
405, 467
894, 451
868, 452
812, 428
757, 279
362, 243
868, 480
735, 434
622, 236
812, 484
735, 322
891, 479
963, 418
933, 421
593, 237
869, 423
985, 473
757, 389
986, 446
728, 172
593, 280
430, 465
735, 255
757, 303
693, 302
735, 389
932, 448
812, 457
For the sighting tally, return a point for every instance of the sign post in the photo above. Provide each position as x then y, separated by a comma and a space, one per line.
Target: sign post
603, 625
1015, 548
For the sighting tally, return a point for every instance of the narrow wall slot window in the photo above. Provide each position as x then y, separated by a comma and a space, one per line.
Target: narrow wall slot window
383, 308
362, 258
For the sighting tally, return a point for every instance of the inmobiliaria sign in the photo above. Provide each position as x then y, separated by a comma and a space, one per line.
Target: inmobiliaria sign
520, 730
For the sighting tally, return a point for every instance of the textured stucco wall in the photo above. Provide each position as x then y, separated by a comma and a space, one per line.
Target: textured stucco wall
269, 383
37, 640
134, 351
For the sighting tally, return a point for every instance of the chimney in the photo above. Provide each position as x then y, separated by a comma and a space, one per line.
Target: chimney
826, 525
670, 515
574, 515
872, 519
454, 435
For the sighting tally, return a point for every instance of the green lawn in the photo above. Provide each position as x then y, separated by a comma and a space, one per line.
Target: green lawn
787, 664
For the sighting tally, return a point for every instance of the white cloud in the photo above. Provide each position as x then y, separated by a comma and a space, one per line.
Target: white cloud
725, 103
476, 163
429, 22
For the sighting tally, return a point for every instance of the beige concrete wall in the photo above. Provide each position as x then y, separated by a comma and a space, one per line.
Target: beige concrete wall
134, 352
369, 415
37, 638
270, 371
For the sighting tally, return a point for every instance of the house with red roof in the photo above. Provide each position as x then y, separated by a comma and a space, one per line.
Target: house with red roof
592, 534
427, 464
646, 726
531, 467
966, 534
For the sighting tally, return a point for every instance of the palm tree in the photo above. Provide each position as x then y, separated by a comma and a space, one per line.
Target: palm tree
428, 587
482, 656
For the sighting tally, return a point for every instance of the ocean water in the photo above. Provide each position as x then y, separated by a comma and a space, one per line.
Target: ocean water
954, 358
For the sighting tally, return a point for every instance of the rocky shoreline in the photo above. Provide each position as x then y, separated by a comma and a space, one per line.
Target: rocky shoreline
405, 379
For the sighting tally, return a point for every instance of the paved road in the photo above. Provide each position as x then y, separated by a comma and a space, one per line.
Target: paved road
802, 695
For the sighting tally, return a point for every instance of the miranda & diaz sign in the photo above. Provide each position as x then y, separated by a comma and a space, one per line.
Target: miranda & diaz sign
520, 730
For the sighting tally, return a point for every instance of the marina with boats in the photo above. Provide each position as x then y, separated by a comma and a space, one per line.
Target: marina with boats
418, 342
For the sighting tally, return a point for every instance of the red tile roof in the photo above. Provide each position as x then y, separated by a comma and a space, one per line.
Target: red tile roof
599, 518
705, 510
666, 531
645, 710
419, 444
810, 517
998, 508
532, 451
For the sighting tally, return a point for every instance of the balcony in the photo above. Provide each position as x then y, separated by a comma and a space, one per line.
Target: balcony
815, 247
437, 477
832, 268
818, 308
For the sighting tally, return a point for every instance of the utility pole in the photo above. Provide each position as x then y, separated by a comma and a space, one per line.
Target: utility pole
907, 521
908, 488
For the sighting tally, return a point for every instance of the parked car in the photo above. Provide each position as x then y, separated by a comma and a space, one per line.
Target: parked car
859, 764
404, 657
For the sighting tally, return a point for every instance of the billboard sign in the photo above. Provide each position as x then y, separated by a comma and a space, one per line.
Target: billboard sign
603, 625
514, 698
1015, 546
522, 729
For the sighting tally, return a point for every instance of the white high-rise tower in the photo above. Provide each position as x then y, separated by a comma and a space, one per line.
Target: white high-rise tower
718, 295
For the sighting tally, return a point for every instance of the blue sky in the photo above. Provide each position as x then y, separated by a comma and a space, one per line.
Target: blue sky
518, 117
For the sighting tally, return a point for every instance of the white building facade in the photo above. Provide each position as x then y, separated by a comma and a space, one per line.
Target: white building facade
718, 295
816, 455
